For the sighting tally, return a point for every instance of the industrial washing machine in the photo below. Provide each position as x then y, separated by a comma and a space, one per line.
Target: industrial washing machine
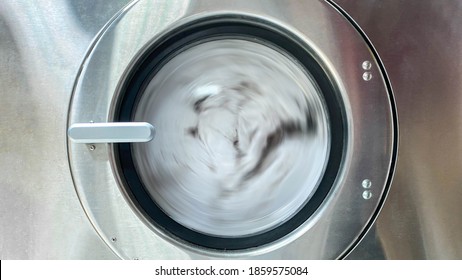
230, 130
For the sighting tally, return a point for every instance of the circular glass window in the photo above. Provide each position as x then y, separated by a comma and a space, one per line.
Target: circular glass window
261, 122
243, 153
242, 137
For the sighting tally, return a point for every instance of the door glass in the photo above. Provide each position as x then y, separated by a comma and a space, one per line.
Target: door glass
242, 137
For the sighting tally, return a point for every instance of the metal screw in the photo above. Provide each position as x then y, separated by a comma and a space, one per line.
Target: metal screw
114, 239
367, 194
367, 76
92, 147
366, 184
367, 65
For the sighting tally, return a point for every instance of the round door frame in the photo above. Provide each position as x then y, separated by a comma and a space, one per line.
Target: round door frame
340, 49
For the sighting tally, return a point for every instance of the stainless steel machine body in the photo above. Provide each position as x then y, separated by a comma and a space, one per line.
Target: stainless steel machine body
43, 79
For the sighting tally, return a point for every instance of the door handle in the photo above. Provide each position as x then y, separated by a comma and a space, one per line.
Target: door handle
113, 132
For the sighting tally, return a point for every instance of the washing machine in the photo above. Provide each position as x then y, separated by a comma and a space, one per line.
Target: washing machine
230, 130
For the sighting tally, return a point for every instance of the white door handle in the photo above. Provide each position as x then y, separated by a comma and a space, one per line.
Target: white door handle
116, 132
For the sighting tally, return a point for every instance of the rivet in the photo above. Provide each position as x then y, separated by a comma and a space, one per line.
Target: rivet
367, 76
366, 184
367, 65
367, 194
114, 239
92, 147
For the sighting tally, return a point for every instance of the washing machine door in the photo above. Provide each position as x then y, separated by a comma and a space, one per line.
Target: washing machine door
240, 129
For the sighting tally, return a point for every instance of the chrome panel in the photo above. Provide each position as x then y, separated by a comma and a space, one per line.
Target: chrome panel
420, 43
42, 45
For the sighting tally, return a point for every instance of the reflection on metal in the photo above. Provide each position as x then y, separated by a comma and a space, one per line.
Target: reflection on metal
42, 44
420, 219
129, 132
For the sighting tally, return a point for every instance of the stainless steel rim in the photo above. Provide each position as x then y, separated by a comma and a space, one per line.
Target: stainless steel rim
368, 149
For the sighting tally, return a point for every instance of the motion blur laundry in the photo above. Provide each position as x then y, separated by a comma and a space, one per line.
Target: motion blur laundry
243, 137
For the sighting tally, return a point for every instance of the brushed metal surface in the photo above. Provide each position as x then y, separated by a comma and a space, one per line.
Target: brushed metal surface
42, 44
420, 43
